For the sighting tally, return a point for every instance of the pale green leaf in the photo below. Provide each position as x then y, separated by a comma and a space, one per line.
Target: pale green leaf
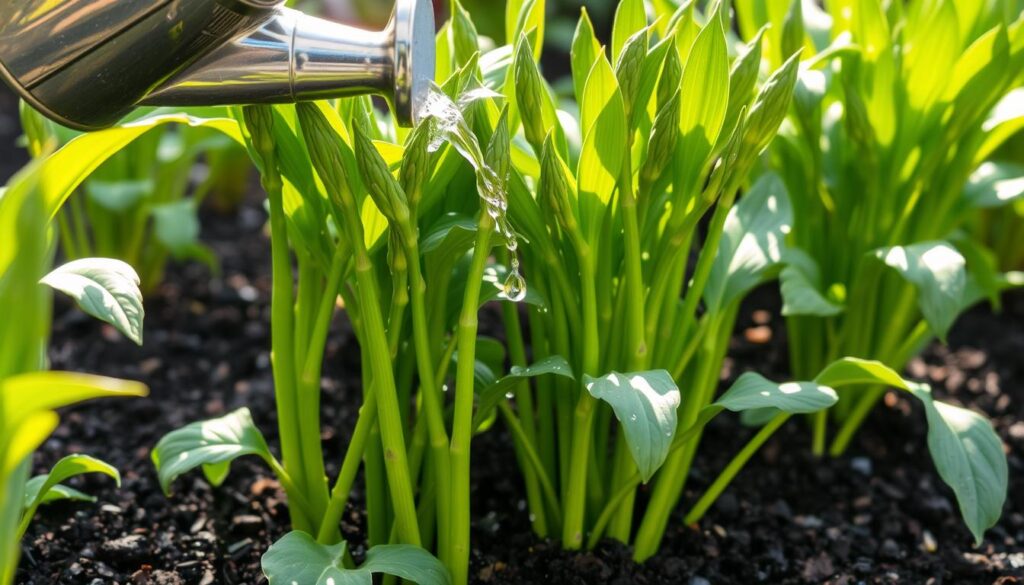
176, 225
753, 391
208, 442
630, 18
297, 559
645, 404
106, 289
585, 51
495, 393
995, 184
705, 98
800, 283
938, 271
753, 241
970, 458
47, 488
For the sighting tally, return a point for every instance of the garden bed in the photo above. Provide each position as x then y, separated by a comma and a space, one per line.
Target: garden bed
878, 515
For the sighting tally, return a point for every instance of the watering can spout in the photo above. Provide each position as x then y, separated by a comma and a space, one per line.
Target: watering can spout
87, 63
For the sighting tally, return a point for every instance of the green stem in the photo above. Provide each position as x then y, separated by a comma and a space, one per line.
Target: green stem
282, 331
462, 427
583, 417
349, 470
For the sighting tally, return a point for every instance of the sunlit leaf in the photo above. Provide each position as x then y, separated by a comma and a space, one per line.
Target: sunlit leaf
106, 289
645, 404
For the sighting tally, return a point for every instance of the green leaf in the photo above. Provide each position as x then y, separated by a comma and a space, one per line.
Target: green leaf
1006, 120
752, 243
47, 488
630, 17
937, 269
495, 393
753, 391
965, 448
800, 283
104, 288
645, 404
408, 562
58, 493
995, 184
297, 559
176, 226
851, 371
530, 22
30, 393
969, 457
209, 442
705, 98
118, 196
585, 51
603, 116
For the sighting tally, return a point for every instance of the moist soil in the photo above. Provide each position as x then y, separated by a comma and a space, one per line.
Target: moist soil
880, 514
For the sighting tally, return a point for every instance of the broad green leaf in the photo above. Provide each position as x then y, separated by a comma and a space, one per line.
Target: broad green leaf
931, 47
408, 562
176, 225
48, 488
118, 196
23, 436
1006, 120
603, 118
464, 35
938, 272
630, 17
30, 393
58, 493
297, 559
530, 22
970, 458
753, 391
851, 371
800, 283
705, 98
995, 184
645, 404
585, 51
106, 289
208, 442
753, 241
978, 70
495, 393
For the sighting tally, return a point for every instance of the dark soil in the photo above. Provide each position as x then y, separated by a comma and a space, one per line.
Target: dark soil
878, 515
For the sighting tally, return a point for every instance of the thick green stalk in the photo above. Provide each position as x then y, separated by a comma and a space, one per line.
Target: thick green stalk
349, 470
583, 417
462, 427
637, 353
282, 329
429, 391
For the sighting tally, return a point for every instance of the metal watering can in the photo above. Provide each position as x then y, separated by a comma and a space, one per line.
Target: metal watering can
87, 63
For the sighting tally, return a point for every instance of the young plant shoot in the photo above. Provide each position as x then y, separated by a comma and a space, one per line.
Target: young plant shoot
886, 157
30, 395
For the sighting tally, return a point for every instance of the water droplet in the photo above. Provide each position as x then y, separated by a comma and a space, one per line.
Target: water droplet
632, 417
515, 287
509, 395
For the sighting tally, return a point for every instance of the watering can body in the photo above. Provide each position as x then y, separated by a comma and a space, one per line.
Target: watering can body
87, 63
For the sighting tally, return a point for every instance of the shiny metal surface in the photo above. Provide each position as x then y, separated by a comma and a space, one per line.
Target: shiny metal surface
87, 63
